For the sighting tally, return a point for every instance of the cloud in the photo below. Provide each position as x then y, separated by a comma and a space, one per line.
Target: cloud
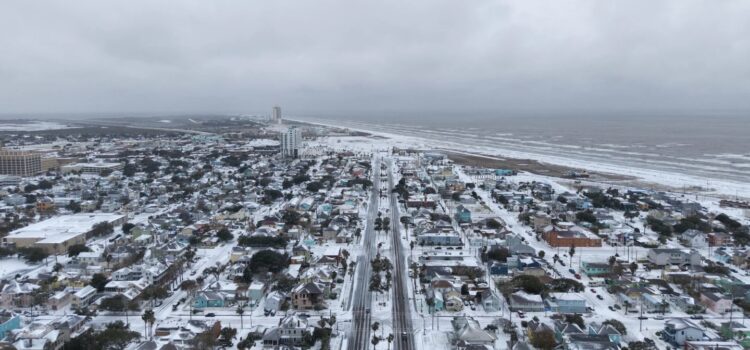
334, 56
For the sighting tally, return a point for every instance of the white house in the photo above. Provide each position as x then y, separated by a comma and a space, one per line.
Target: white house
678, 331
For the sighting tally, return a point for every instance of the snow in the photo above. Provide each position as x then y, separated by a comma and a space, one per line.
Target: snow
717, 186
9, 267
33, 126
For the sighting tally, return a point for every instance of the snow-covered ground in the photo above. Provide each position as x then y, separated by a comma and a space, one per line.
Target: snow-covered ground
9, 267
32, 126
718, 186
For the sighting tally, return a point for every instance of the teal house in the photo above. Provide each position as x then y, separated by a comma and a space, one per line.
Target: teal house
504, 172
208, 299
463, 215
438, 304
595, 269
8, 322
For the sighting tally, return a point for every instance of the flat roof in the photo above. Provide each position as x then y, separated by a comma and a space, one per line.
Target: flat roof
64, 227
93, 165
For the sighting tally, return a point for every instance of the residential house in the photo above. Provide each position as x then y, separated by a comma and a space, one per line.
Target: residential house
590, 341
255, 292
307, 296
453, 301
83, 297
654, 303
468, 334
695, 239
680, 330
59, 300
673, 256
463, 214
716, 302
8, 322
274, 301
719, 239
566, 303
439, 238
15, 294
613, 334
592, 269
205, 299
48, 334
521, 301
290, 332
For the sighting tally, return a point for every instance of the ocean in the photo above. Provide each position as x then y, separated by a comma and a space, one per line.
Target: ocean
711, 146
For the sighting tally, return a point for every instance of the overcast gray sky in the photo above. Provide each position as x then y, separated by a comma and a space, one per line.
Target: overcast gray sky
321, 56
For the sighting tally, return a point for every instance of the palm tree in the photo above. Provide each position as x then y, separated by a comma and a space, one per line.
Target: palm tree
633, 267
190, 286
375, 340
148, 318
240, 311
405, 221
571, 252
352, 265
664, 306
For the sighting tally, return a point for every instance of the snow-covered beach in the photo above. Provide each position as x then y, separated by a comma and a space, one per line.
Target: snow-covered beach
646, 177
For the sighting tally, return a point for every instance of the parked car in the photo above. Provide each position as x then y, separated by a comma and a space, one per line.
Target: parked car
599, 297
210, 314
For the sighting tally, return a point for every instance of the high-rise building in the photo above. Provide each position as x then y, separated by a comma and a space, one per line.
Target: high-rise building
290, 142
276, 115
20, 163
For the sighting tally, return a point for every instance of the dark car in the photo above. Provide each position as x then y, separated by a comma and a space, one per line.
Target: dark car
572, 271
599, 297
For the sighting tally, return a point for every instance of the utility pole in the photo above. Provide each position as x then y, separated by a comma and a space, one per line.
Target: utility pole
640, 319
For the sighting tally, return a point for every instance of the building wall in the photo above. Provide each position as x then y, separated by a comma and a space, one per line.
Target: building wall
9, 325
21, 163
554, 240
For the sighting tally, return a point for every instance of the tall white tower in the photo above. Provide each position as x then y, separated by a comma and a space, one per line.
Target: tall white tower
276, 115
290, 142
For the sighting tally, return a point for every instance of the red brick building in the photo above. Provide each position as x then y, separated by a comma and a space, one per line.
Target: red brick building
567, 238
719, 239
